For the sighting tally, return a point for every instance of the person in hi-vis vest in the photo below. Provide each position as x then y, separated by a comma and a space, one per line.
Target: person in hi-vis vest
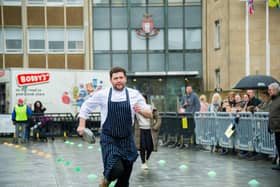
20, 117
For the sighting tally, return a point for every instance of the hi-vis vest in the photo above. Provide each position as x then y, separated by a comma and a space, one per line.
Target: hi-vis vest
21, 113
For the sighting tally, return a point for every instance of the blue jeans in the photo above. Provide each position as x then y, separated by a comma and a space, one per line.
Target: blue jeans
23, 132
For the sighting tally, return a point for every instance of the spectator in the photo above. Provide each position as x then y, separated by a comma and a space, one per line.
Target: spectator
262, 107
238, 99
226, 106
20, 117
245, 102
265, 103
274, 117
146, 134
203, 103
39, 129
253, 100
190, 101
231, 99
238, 104
38, 108
216, 102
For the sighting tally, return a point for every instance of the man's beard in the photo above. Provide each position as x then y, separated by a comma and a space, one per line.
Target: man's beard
117, 88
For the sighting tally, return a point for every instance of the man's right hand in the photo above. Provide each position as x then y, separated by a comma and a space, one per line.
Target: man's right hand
80, 130
81, 127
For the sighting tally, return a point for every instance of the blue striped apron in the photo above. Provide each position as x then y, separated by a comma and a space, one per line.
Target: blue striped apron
116, 139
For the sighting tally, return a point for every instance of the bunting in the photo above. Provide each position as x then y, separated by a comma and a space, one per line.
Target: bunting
251, 6
274, 3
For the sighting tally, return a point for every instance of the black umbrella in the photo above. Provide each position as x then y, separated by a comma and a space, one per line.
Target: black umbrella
255, 82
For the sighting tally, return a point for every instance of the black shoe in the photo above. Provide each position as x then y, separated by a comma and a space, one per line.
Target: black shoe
224, 152
276, 167
182, 146
173, 145
243, 154
274, 160
167, 143
258, 156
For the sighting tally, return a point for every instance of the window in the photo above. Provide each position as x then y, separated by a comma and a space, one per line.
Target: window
175, 39
175, 2
55, 2
192, 2
101, 18
217, 44
120, 60
139, 63
175, 62
119, 18
101, 40
75, 40
35, 2
136, 16
138, 2
119, 40
193, 39
175, 17
12, 2
36, 40
156, 42
137, 43
100, 2
157, 14
155, 2
156, 62
102, 61
193, 16
75, 2
119, 2
1, 41
56, 40
13, 40
217, 79
193, 61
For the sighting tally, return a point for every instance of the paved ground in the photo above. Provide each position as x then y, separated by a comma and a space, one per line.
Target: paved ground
78, 164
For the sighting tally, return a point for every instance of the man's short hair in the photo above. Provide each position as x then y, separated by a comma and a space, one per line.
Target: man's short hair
117, 70
275, 86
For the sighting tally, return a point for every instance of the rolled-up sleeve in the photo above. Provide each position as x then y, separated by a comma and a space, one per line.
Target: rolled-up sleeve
91, 104
137, 98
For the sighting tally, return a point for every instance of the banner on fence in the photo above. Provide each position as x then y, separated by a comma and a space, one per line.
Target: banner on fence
184, 123
229, 132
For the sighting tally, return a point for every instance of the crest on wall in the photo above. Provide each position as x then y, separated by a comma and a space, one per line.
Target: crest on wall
147, 27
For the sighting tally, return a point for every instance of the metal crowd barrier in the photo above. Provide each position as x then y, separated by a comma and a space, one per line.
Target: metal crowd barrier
223, 120
205, 128
244, 132
264, 142
177, 129
251, 131
170, 123
53, 124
